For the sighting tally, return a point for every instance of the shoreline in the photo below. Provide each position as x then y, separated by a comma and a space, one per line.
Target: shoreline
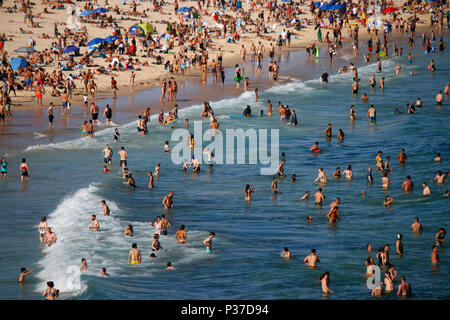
198, 92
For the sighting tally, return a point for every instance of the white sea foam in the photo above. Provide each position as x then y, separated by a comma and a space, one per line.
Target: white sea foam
106, 248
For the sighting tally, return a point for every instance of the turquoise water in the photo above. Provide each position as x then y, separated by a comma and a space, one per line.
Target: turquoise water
67, 186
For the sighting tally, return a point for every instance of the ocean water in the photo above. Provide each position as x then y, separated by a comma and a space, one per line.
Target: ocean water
67, 185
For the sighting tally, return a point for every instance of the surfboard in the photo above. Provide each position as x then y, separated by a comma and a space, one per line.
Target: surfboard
236, 79
235, 115
171, 121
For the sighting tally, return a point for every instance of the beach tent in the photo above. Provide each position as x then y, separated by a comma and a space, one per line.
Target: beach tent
25, 50
17, 63
147, 27
111, 38
70, 49
100, 10
95, 41
136, 30
184, 9
86, 13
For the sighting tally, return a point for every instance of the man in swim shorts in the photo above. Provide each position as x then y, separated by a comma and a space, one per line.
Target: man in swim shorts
371, 113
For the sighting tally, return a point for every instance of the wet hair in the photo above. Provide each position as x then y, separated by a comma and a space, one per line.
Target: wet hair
153, 255
23, 160
169, 264
313, 250
50, 284
182, 227
44, 219
212, 233
325, 273
134, 245
24, 269
104, 201
104, 269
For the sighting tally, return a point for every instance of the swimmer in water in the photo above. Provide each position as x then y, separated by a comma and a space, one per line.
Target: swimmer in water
325, 280
51, 293
155, 244
168, 200
106, 210
305, 196
426, 189
84, 266
169, 266
181, 235
103, 273
286, 253
438, 158
416, 226
439, 237
274, 185
321, 177
371, 113
311, 259
434, 255
293, 178
23, 273
337, 173
208, 241
134, 256
94, 225
128, 231
315, 147
318, 197
248, 192
404, 289
388, 201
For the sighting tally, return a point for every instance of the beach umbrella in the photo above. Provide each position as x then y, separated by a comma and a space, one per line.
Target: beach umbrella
86, 13
95, 41
100, 10
184, 9
136, 30
111, 38
286, 0
25, 50
317, 4
389, 10
147, 27
337, 7
325, 7
17, 63
70, 49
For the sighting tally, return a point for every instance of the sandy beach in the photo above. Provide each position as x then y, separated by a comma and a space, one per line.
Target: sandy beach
147, 73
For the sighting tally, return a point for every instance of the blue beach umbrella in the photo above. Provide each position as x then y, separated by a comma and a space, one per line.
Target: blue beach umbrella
337, 7
17, 63
86, 13
184, 9
111, 38
95, 41
25, 50
70, 49
325, 7
100, 10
